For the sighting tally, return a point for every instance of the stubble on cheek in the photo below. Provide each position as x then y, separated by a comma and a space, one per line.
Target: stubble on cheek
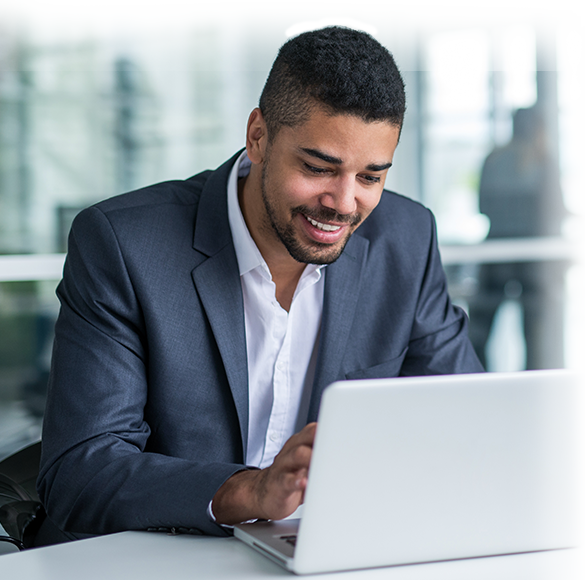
279, 224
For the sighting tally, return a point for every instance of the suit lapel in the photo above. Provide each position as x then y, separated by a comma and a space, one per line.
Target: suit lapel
218, 284
342, 286
217, 281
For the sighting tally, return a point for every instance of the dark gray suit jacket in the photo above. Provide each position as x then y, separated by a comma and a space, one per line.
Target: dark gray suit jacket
147, 413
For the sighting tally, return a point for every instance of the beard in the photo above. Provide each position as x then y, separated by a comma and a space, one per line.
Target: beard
312, 252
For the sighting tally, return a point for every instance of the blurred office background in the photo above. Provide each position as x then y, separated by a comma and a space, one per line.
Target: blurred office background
100, 102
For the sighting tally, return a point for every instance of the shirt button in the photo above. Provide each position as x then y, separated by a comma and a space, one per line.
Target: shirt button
273, 437
280, 366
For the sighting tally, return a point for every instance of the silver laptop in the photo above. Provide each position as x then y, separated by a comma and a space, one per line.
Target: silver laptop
423, 469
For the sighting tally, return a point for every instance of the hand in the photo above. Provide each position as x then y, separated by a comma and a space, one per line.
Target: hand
272, 493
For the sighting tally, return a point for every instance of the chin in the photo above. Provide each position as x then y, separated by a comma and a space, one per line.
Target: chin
322, 256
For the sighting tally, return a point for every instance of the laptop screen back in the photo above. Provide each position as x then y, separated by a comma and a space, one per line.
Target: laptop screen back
433, 468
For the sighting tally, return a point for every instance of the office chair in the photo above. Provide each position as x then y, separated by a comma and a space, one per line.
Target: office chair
21, 512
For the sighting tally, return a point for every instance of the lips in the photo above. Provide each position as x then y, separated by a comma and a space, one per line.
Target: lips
322, 232
322, 226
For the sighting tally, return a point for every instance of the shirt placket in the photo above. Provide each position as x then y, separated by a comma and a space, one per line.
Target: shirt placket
280, 384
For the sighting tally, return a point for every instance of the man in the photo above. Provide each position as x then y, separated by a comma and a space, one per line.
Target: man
520, 192
201, 320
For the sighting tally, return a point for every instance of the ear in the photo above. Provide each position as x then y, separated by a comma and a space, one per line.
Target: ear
256, 137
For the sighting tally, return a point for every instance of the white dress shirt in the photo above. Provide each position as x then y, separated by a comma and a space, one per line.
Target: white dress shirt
281, 346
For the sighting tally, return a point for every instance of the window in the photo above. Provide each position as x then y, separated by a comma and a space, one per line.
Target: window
571, 86
475, 80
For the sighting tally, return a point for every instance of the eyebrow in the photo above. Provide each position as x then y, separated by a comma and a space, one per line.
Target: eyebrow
337, 161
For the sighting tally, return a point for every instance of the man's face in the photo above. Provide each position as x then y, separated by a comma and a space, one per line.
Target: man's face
320, 180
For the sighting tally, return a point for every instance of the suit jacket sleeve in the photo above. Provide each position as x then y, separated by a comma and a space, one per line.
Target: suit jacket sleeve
103, 469
439, 342
403, 322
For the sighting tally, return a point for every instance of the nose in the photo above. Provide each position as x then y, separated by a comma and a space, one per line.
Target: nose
341, 195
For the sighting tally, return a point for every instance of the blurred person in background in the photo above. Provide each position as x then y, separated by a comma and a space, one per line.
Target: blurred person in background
521, 195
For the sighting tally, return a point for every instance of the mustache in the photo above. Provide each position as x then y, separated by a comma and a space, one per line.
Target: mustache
325, 214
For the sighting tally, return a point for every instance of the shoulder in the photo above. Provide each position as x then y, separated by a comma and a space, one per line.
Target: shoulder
397, 216
143, 223
150, 207
168, 193
169, 200
401, 206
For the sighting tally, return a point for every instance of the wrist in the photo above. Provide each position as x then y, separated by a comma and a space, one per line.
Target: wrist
236, 500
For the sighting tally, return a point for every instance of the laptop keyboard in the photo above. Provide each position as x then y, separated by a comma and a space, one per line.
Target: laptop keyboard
291, 539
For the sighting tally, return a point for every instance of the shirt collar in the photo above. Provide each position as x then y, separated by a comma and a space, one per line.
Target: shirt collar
247, 253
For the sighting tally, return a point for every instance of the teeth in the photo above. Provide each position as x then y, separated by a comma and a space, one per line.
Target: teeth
324, 227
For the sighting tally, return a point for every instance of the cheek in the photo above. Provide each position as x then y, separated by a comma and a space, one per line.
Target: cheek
301, 191
367, 203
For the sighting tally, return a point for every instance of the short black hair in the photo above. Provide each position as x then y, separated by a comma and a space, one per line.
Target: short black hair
343, 70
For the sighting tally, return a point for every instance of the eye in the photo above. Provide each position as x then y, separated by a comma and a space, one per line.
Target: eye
316, 170
370, 178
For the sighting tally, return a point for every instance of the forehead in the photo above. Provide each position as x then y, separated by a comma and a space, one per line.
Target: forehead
346, 137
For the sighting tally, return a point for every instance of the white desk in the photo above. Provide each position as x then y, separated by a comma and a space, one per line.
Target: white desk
148, 556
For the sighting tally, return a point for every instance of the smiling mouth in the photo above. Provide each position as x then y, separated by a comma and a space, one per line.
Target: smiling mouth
322, 226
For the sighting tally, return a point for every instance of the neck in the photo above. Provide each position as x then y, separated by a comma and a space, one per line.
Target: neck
286, 284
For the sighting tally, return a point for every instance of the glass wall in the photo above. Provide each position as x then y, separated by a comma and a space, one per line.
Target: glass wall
571, 90
27, 314
93, 102
85, 120
476, 79
88, 115
502, 139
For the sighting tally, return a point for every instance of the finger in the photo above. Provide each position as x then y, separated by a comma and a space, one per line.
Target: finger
304, 437
293, 458
301, 482
293, 482
307, 434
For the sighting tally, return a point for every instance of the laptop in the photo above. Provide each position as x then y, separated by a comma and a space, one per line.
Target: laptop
425, 469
